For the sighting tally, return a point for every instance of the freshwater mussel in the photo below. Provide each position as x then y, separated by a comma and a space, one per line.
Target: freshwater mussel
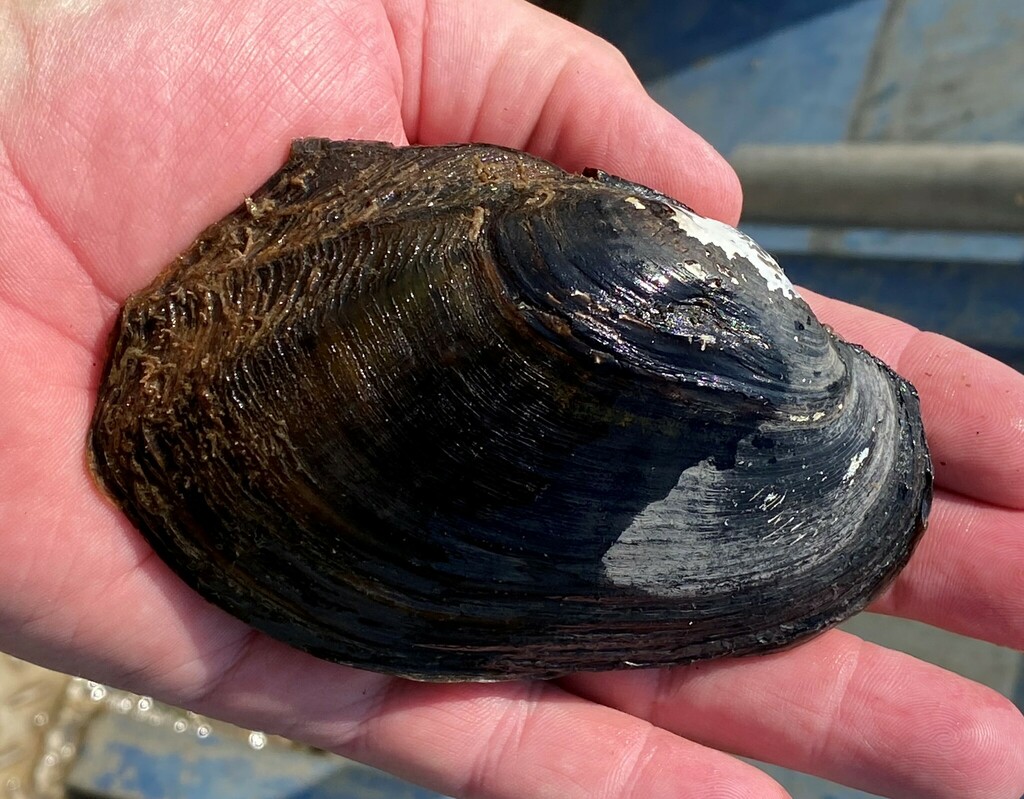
454, 413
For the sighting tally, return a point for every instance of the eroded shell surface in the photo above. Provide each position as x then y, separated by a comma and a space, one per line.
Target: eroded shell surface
453, 413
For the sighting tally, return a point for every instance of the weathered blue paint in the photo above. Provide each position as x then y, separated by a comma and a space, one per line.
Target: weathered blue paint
977, 248
946, 70
660, 37
796, 85
949, 71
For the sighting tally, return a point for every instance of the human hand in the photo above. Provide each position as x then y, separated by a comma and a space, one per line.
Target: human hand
128, 128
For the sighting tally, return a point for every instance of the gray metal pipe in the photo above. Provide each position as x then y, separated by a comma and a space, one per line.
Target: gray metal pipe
977, 187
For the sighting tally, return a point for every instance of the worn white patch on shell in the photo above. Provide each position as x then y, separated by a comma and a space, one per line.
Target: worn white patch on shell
855, 463
636, 203
804, 417
735, 245
694, 269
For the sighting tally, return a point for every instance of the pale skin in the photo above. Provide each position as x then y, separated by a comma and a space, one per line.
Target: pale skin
127, 127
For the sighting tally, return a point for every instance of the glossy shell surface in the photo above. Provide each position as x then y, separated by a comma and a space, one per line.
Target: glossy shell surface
454, 413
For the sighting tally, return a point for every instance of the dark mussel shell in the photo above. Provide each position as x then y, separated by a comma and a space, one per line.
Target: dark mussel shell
454, 413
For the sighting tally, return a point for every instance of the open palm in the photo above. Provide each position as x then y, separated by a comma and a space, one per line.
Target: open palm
128, 127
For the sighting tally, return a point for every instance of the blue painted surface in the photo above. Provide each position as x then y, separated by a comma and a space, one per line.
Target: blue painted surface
796, 85
209, 770
660, 37
991, 248
983, 248
947, 70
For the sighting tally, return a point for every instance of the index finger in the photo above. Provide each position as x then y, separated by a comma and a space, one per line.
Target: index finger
973, 405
